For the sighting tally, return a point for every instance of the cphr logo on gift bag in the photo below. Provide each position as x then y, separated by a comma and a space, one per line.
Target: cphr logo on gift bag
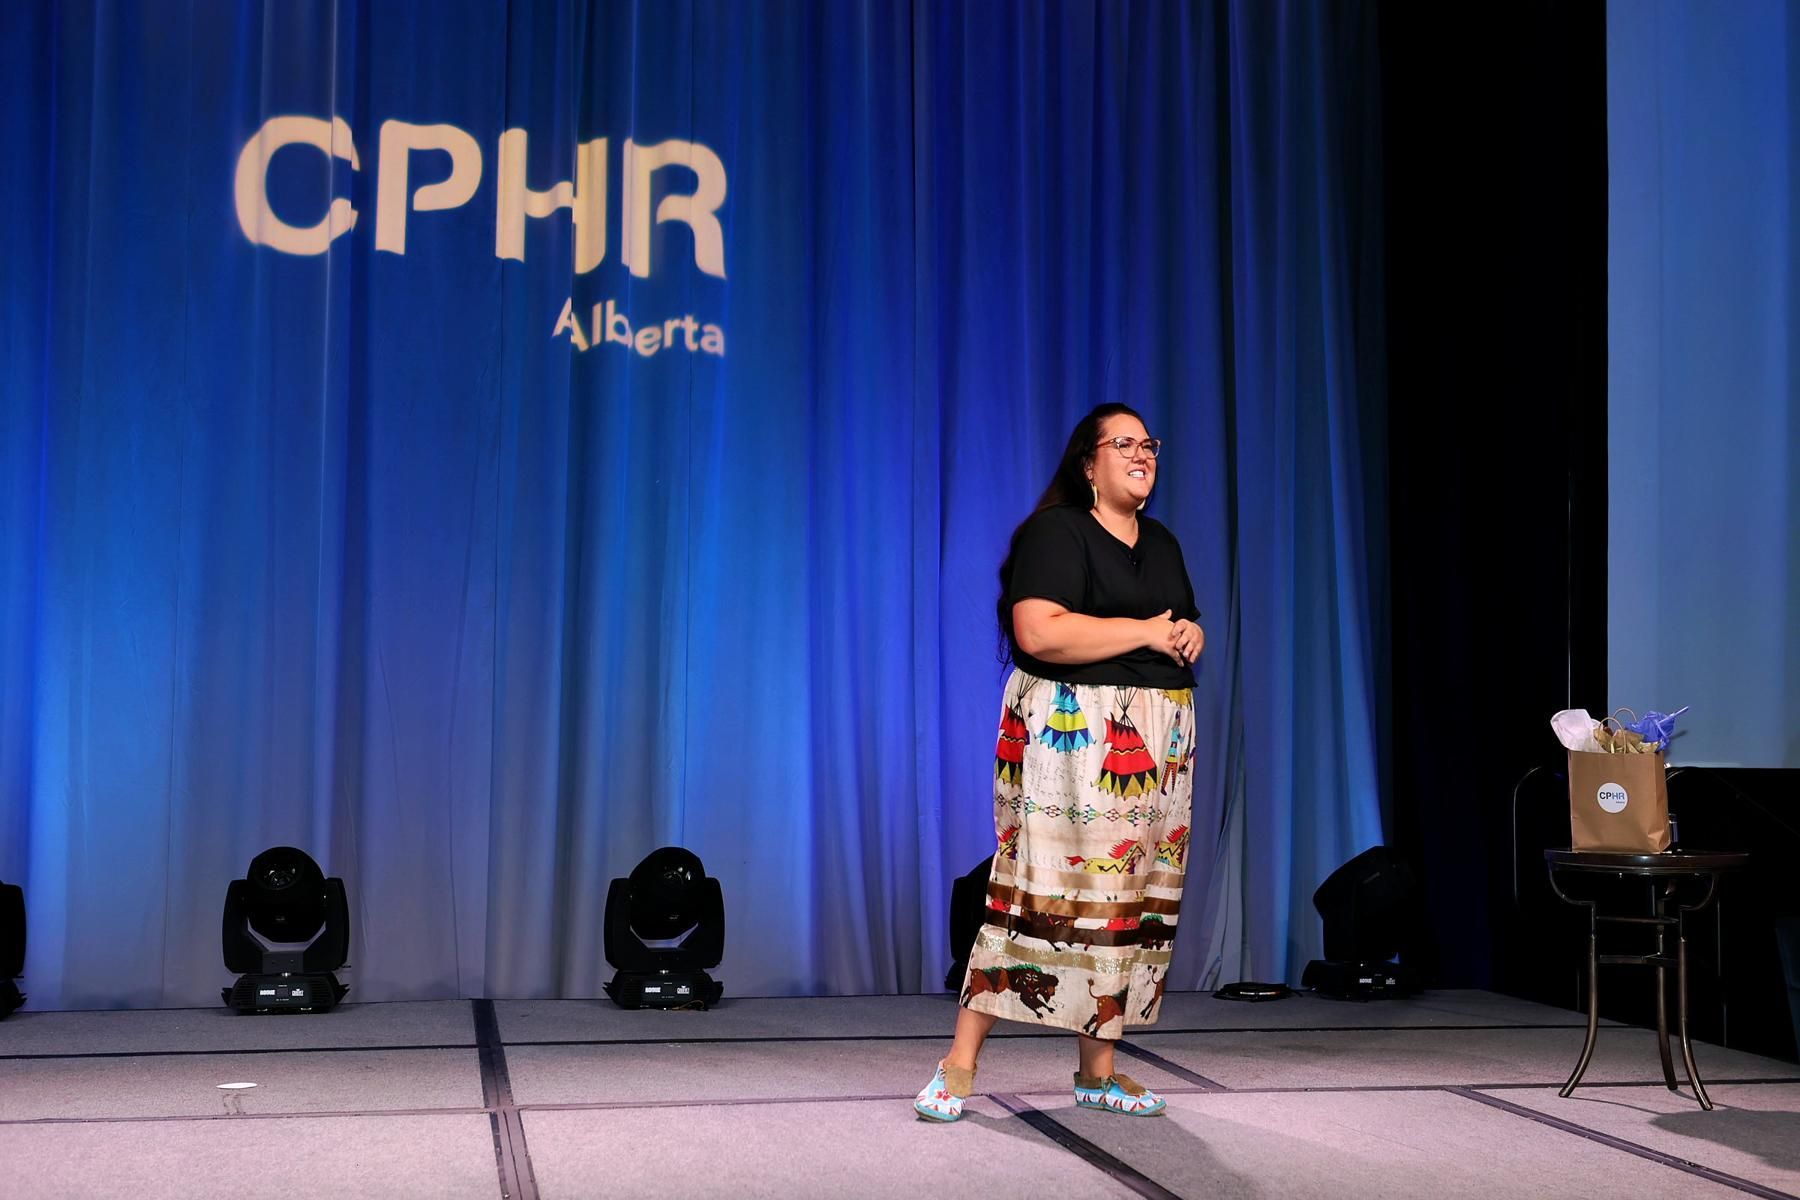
1610, 820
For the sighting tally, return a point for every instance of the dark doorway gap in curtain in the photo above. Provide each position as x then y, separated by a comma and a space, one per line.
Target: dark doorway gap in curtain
1495, 201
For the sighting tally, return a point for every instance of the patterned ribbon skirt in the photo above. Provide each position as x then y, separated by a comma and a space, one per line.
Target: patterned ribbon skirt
1092, 796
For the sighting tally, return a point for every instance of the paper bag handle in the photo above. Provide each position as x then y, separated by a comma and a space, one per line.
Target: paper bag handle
1614, 718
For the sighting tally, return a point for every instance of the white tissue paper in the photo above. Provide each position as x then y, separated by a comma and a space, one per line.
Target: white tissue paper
1575, 729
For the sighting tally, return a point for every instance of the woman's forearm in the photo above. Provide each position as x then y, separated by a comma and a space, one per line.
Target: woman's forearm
1048, 632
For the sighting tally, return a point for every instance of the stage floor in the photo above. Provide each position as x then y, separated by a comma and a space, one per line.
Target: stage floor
1452, 1093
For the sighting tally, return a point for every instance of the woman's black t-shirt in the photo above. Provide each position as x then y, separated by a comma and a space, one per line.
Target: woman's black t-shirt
1065, 555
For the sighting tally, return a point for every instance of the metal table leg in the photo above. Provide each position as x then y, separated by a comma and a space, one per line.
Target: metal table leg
1687, 1048
1659, 909
1593, 998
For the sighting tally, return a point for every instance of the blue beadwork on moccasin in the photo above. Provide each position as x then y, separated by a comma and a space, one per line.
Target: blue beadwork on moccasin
1114, 1097
937, 1102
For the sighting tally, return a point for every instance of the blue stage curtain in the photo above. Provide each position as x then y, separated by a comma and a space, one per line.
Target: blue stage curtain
383, 549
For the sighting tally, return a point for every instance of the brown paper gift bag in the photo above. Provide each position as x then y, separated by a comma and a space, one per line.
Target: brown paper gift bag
1618, 802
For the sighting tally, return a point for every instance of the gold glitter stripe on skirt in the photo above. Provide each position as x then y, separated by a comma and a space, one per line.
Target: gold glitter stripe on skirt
999, 943
1102, 909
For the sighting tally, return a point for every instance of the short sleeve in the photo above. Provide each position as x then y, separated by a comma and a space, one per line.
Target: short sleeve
1049, 563
1193, 609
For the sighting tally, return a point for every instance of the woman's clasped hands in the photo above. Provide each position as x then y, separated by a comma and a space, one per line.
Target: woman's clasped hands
1181, 640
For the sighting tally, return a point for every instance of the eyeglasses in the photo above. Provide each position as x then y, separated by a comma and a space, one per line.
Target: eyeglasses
1127, 446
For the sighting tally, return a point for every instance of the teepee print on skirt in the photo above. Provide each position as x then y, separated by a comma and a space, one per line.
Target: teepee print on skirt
1086, 884
1066, 729
1127, 769
1009, 751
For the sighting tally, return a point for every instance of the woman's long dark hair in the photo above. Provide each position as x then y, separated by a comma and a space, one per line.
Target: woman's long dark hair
1069, 485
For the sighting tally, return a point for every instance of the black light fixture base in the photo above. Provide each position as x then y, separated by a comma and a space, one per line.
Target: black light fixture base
317, 991
10, 997
1359, 980
664, 989
1253, 992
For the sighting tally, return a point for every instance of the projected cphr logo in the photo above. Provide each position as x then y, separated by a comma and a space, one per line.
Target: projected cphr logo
516, 202
1612, 797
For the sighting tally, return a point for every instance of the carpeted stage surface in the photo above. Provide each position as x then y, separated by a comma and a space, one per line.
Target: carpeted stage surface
1447, 1094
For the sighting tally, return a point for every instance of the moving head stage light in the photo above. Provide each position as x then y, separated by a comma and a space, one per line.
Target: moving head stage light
665, 928
286, 929
12, 945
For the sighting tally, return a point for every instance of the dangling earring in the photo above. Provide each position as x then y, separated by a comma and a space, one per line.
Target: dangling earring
1094, 488
1143, 502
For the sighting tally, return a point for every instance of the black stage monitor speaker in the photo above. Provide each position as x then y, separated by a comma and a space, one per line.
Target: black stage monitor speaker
968, 912
12, 945
1366, 905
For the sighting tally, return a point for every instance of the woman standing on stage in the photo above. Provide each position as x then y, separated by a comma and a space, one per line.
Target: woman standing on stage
1092, 779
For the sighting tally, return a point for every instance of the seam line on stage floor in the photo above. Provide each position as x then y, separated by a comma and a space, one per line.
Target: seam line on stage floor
1045, 1033
512, 1157
1484, 1087
1629, 1147
1171, 1067
749, 1039
734, 1102
463, 1111
241, 1050
1426, 998
1178, 1090
1083, 1149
